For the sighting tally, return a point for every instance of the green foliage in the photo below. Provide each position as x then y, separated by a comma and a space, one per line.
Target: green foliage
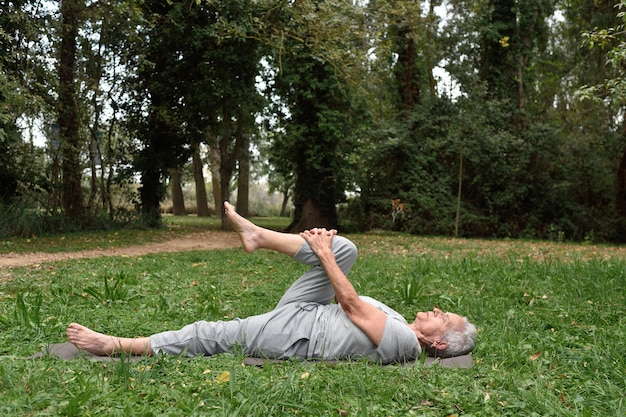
513, 183
20, 219
157, 78
608, 39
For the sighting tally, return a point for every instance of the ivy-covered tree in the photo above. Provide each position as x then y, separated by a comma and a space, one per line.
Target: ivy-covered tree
317, 136
315, 78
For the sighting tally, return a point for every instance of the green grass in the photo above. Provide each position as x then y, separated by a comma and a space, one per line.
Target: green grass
551, 321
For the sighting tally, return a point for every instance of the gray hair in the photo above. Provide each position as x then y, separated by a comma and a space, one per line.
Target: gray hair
460, 342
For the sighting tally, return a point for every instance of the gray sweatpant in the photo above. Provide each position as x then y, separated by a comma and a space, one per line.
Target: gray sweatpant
281, 333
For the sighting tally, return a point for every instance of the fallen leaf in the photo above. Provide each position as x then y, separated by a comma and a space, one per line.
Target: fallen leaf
305, 375
224, 377
206, 371
535, 356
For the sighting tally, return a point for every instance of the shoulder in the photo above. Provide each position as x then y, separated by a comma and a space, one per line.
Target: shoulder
384, 308
399, 343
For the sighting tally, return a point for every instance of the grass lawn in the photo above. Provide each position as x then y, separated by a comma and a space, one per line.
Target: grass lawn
551, 321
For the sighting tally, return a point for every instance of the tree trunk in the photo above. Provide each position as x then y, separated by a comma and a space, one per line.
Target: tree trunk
229, 152
216, 182
283, 206
93, 156
226, 173
311, 217
198, 176
620, 198
150, 193
69, 121
243, 179
178, 201
431, 30
409, 88
107, 169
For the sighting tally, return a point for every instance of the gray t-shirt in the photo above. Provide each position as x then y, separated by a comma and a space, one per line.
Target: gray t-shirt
334, 336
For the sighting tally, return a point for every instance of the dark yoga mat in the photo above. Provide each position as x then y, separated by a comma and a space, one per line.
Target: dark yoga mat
68, 351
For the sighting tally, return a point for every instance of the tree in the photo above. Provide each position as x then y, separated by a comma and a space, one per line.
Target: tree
69, 120
176, 189
9, 132
315, 68
25, 89
198, 175
317, 138
243, 178
405, 32
609, 39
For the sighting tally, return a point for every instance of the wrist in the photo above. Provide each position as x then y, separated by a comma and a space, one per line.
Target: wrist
325, 255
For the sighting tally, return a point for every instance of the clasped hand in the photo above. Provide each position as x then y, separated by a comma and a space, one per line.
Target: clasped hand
319, 239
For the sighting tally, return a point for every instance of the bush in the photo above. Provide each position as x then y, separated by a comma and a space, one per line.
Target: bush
20, 220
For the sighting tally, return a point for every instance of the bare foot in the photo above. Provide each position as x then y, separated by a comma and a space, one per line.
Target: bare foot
89, 340
248, 232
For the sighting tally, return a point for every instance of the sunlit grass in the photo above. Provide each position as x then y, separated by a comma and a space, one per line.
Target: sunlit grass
552, 333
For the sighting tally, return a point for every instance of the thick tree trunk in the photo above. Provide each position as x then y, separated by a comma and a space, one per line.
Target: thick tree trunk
311, 216
198, 176
178, 200
150, 193
69, 121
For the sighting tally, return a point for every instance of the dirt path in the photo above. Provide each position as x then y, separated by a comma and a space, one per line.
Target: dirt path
373, 243
197, 241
